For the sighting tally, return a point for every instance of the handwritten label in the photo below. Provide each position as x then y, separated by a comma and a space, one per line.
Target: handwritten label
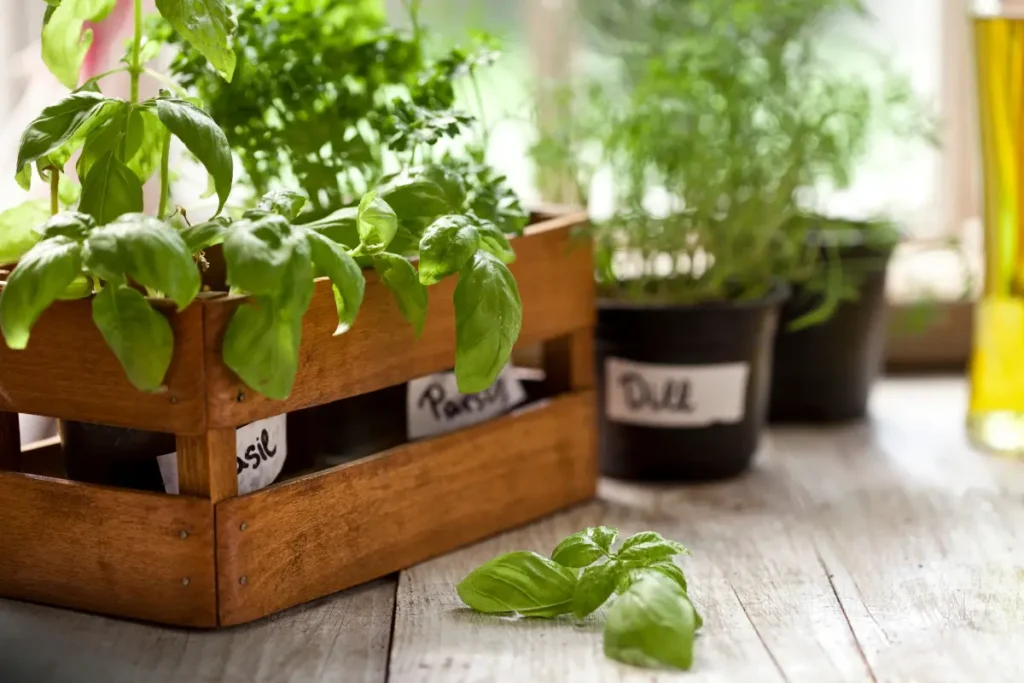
260, 451
654, 395
435, 406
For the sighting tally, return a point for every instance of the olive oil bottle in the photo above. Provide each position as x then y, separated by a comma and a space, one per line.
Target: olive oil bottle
996, 414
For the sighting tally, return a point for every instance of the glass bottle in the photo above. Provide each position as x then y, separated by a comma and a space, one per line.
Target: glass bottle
996, 414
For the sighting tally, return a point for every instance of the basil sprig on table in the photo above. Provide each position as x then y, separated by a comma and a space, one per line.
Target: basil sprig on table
651, 622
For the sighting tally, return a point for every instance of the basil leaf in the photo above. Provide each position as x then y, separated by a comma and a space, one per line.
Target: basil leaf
110, 135
649, 547
261, 345
488, 317
376, 222
64, 44
453, 189
520, 582
399, 276
80, 288
346, 277
144, 145
340, 226
287, 203
149, 251
446, 247
59, 124
203, 138
651, 625
42, 275
596, 585
494, 241
415, 198
71, 224
110, 190
204, 235
69, 190
139, 336
258, 253
669, 569
17, 228
582, 548
208, 25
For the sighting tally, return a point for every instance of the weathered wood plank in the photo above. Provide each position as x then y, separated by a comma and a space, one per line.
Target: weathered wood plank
340, 639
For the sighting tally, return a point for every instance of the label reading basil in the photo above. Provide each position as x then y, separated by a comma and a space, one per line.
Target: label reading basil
260, 450
435, 406
654, 395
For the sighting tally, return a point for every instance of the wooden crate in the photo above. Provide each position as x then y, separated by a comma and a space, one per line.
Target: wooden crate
210, 557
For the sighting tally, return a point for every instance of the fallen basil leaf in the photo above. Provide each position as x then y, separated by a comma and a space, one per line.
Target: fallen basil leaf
596, 585
110, 190
208, 25
488, 317
583, 547
17, 228
377, 224
203, 138
520, 582
346, 277
42, 275
652, 625
399, 276
446, 247
649, 547
139, 336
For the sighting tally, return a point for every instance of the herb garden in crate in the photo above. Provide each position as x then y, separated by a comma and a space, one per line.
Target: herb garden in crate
183, 335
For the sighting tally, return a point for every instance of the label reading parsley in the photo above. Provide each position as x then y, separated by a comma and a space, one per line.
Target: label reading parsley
653, 395
260, 451
435, 405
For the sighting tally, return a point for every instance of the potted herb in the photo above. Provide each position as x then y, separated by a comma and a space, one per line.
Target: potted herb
716, 121
134, 267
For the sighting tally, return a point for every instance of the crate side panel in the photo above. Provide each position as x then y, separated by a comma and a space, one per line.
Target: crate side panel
313, 536
112, 551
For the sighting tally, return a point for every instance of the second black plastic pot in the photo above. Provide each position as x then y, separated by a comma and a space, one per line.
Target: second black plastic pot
824, 373
683, 390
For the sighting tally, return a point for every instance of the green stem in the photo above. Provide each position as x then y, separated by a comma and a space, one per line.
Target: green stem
54, 191
165, 175
135, 68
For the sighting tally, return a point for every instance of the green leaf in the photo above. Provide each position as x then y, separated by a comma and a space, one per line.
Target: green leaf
649, 547
69, 190
340, 226
446, 247
147, 250
42, 275
139, 336
110, 135
208, 25
521, 582
346, 277
651, 625
488, 317
110, 190
399, 276
17, 228
287, 203
144, 145
58, 127
203, 138
261, 345
453, 188
584, 547
596, 585
418, 198
259, 254
80, 288
669, 569
494, 241
71, 224
204, 235
377, 224
64, 43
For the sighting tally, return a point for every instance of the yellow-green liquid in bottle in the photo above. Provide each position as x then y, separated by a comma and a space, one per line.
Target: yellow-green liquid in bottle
996, 414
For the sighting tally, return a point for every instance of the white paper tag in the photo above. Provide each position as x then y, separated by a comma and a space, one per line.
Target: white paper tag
674, 395
260, 451
435, 406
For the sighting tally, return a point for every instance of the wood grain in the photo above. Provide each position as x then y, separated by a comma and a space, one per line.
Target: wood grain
340, 639
381, 349
107, 550
312, 536
68, 371
207, 465
10, 442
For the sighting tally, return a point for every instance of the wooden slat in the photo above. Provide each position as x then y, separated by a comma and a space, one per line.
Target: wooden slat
107, 550
556, 285
569, 361
68, 371
206, 465
325, 532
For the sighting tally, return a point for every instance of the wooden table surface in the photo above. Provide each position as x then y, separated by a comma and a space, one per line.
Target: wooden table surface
887, 551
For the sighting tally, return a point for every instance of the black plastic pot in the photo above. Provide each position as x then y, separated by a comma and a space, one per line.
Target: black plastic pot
824, 373
113, 456
683, 390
